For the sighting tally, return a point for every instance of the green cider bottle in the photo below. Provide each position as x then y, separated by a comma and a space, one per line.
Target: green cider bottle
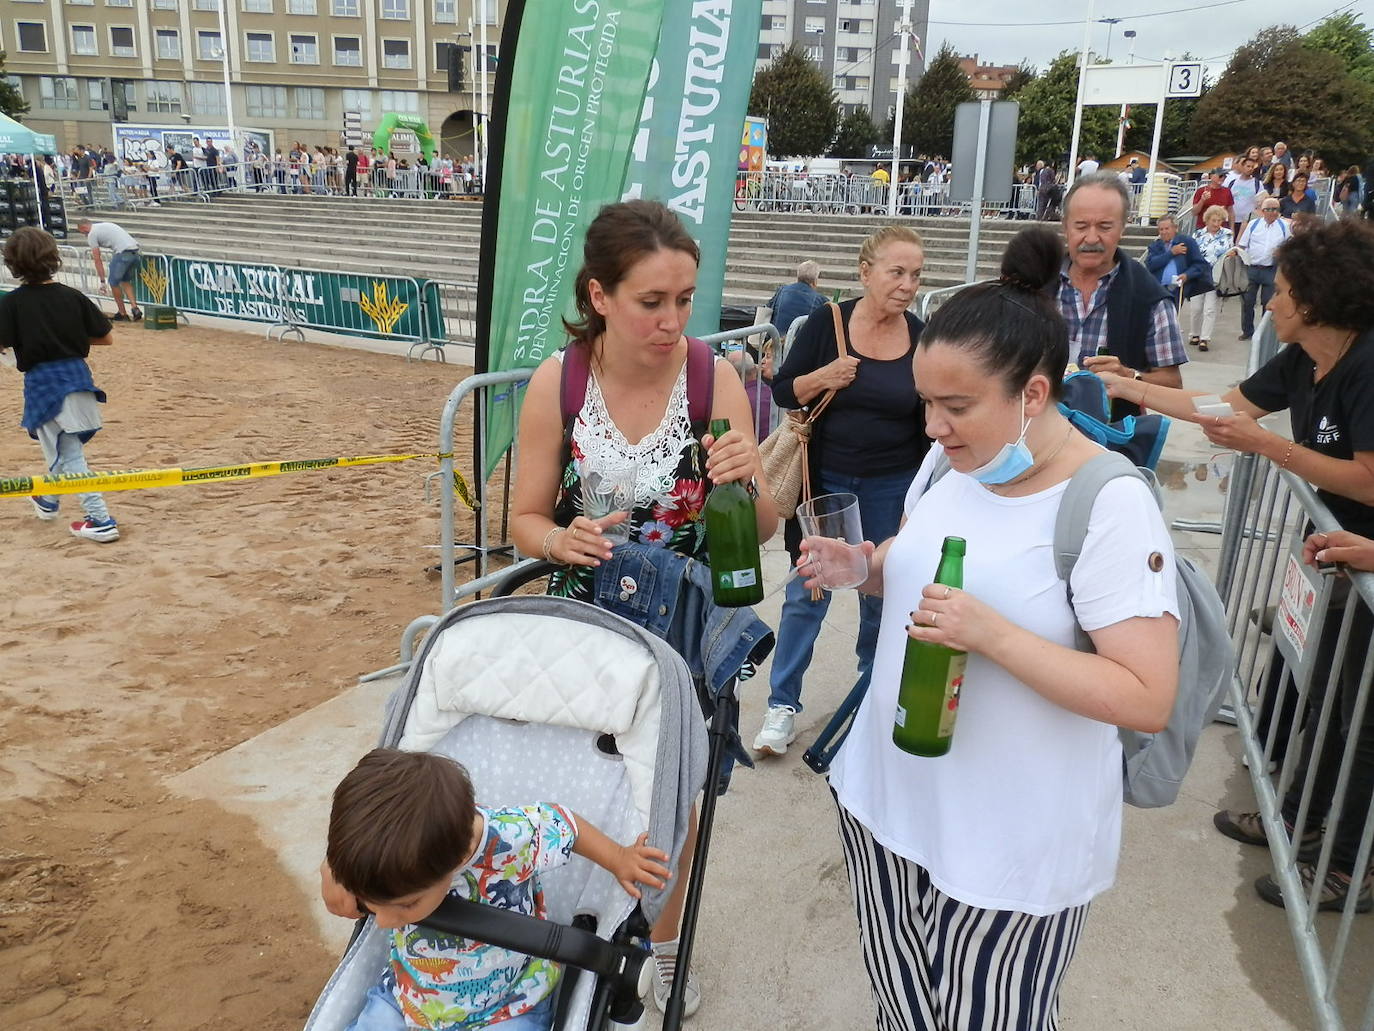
732, 538
932, 676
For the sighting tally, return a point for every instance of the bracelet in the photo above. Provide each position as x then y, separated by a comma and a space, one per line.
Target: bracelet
1286, 456
548, 542
1144, 390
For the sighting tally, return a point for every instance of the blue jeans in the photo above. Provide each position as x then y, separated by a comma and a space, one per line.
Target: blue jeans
880, 509
1261, 288
380, 1013
70, 457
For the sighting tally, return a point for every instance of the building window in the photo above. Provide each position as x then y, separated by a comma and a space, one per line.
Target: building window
348, 51
83, 41
345, 8
441, 52
261, 48
309, 102
778, 22
814, 25
119, 3
305, 48
81, 3
165, 5
395, 53
396, 10
163, 96
359, 100
258, 6
400, 102
205, 5
208, 46
33, 37
122, 41
446, 12
813, 53
207, 98
300, 6
266, 101
57, 91
95, 95
168, 44
484, 12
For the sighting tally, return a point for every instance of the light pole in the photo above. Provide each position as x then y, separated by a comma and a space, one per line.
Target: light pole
228, 93
1111, 23
1121, 119
903, 55
482, 143
472, 49
1082, 80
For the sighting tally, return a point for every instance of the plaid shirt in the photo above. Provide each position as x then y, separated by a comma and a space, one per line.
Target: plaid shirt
1163, 345
46, 387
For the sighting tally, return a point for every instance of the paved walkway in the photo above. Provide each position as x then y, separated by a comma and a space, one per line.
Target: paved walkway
1181, 943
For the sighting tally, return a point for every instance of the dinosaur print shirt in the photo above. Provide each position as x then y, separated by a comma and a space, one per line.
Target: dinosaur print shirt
445, 982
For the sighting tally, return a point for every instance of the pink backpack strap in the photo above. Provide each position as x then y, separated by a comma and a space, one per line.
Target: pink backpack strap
701, 383
577, 371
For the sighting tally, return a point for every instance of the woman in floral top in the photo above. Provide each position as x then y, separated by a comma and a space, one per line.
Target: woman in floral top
633, 296
1214, 241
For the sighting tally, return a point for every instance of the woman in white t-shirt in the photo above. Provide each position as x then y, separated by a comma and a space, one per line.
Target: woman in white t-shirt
972, 872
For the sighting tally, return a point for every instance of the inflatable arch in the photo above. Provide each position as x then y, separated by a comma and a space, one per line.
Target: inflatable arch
381, 139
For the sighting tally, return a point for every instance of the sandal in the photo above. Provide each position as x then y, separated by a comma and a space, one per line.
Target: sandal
1202, 345
1193, 341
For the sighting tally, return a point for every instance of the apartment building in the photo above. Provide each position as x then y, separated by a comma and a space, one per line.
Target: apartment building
854, 42
87, 67
987, 80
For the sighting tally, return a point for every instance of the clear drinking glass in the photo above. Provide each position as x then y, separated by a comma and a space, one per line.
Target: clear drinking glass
610, 490
833, 533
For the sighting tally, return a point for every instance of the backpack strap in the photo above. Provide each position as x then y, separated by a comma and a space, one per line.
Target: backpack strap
701, 381
1075, 511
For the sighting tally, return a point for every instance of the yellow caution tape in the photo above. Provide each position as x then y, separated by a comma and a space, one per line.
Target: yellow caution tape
143, 479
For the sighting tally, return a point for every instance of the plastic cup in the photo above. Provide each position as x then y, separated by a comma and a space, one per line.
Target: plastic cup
609, 490
833, 532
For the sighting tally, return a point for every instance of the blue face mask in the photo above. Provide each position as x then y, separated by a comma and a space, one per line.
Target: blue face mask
1011, 461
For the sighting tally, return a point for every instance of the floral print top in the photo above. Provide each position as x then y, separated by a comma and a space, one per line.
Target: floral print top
669, 467
1213, 245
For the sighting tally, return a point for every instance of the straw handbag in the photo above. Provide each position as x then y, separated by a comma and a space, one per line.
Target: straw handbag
783, 454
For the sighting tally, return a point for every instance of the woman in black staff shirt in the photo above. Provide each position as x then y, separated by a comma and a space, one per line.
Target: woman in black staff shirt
868, 442
1323, 305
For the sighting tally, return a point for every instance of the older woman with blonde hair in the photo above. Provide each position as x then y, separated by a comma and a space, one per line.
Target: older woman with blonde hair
1214, 239
869, 442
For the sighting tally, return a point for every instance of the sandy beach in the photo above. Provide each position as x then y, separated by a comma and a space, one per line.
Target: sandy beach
223, 610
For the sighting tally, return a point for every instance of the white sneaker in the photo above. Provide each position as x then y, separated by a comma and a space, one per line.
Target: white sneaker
664, 965
779, 730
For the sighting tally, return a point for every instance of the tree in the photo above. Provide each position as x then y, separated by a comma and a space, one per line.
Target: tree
857, 132
928, 117
1318, 107
1024, 75
1046, 120
1346, 36
801, 108
12, 101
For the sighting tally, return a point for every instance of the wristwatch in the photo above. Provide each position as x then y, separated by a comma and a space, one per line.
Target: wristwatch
1137, 374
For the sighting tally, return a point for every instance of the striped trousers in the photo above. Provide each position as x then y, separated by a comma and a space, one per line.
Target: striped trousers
936, 964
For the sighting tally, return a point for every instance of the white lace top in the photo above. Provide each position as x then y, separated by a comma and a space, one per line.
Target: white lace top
655, 458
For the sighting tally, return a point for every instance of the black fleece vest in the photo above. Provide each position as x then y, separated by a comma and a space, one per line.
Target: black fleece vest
1130, 299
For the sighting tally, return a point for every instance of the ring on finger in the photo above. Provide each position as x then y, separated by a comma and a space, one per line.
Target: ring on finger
948, 590
935, 619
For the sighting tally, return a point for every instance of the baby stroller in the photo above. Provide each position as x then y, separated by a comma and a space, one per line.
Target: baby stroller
547, 699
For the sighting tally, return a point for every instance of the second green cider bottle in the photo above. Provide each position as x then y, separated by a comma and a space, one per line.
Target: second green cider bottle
932, 676
732, 538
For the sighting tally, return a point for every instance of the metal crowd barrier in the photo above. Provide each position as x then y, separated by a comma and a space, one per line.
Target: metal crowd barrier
1303, 644
450, 316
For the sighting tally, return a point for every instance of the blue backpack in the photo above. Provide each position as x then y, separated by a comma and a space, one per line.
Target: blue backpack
1139, 437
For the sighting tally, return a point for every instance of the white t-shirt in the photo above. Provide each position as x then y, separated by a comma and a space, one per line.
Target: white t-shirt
111, 237
1024, 811
1087, 166
1245, 193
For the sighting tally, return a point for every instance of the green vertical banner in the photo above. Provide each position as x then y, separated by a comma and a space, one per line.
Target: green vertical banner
568, 94
687, 149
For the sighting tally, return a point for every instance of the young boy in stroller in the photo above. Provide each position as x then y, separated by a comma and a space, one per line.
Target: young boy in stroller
405, 831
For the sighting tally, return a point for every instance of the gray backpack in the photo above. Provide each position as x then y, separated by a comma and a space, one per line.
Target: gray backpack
1154, 765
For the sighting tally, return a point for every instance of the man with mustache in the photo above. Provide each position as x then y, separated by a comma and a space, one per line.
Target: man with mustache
1121, 319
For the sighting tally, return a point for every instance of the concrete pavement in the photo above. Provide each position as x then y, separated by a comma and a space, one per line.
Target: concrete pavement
1181, 943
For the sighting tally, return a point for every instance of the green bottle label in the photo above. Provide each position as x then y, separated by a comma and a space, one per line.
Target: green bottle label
732, 578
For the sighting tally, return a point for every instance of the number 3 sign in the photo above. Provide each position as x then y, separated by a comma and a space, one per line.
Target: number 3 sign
1185, 80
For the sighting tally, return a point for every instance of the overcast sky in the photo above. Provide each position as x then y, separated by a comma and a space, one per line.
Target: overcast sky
1208, 29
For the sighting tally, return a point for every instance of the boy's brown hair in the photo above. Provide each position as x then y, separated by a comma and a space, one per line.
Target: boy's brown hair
31, 255
401, 822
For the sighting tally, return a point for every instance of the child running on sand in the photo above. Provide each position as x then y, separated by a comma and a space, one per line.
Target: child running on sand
404, 832
51, 328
